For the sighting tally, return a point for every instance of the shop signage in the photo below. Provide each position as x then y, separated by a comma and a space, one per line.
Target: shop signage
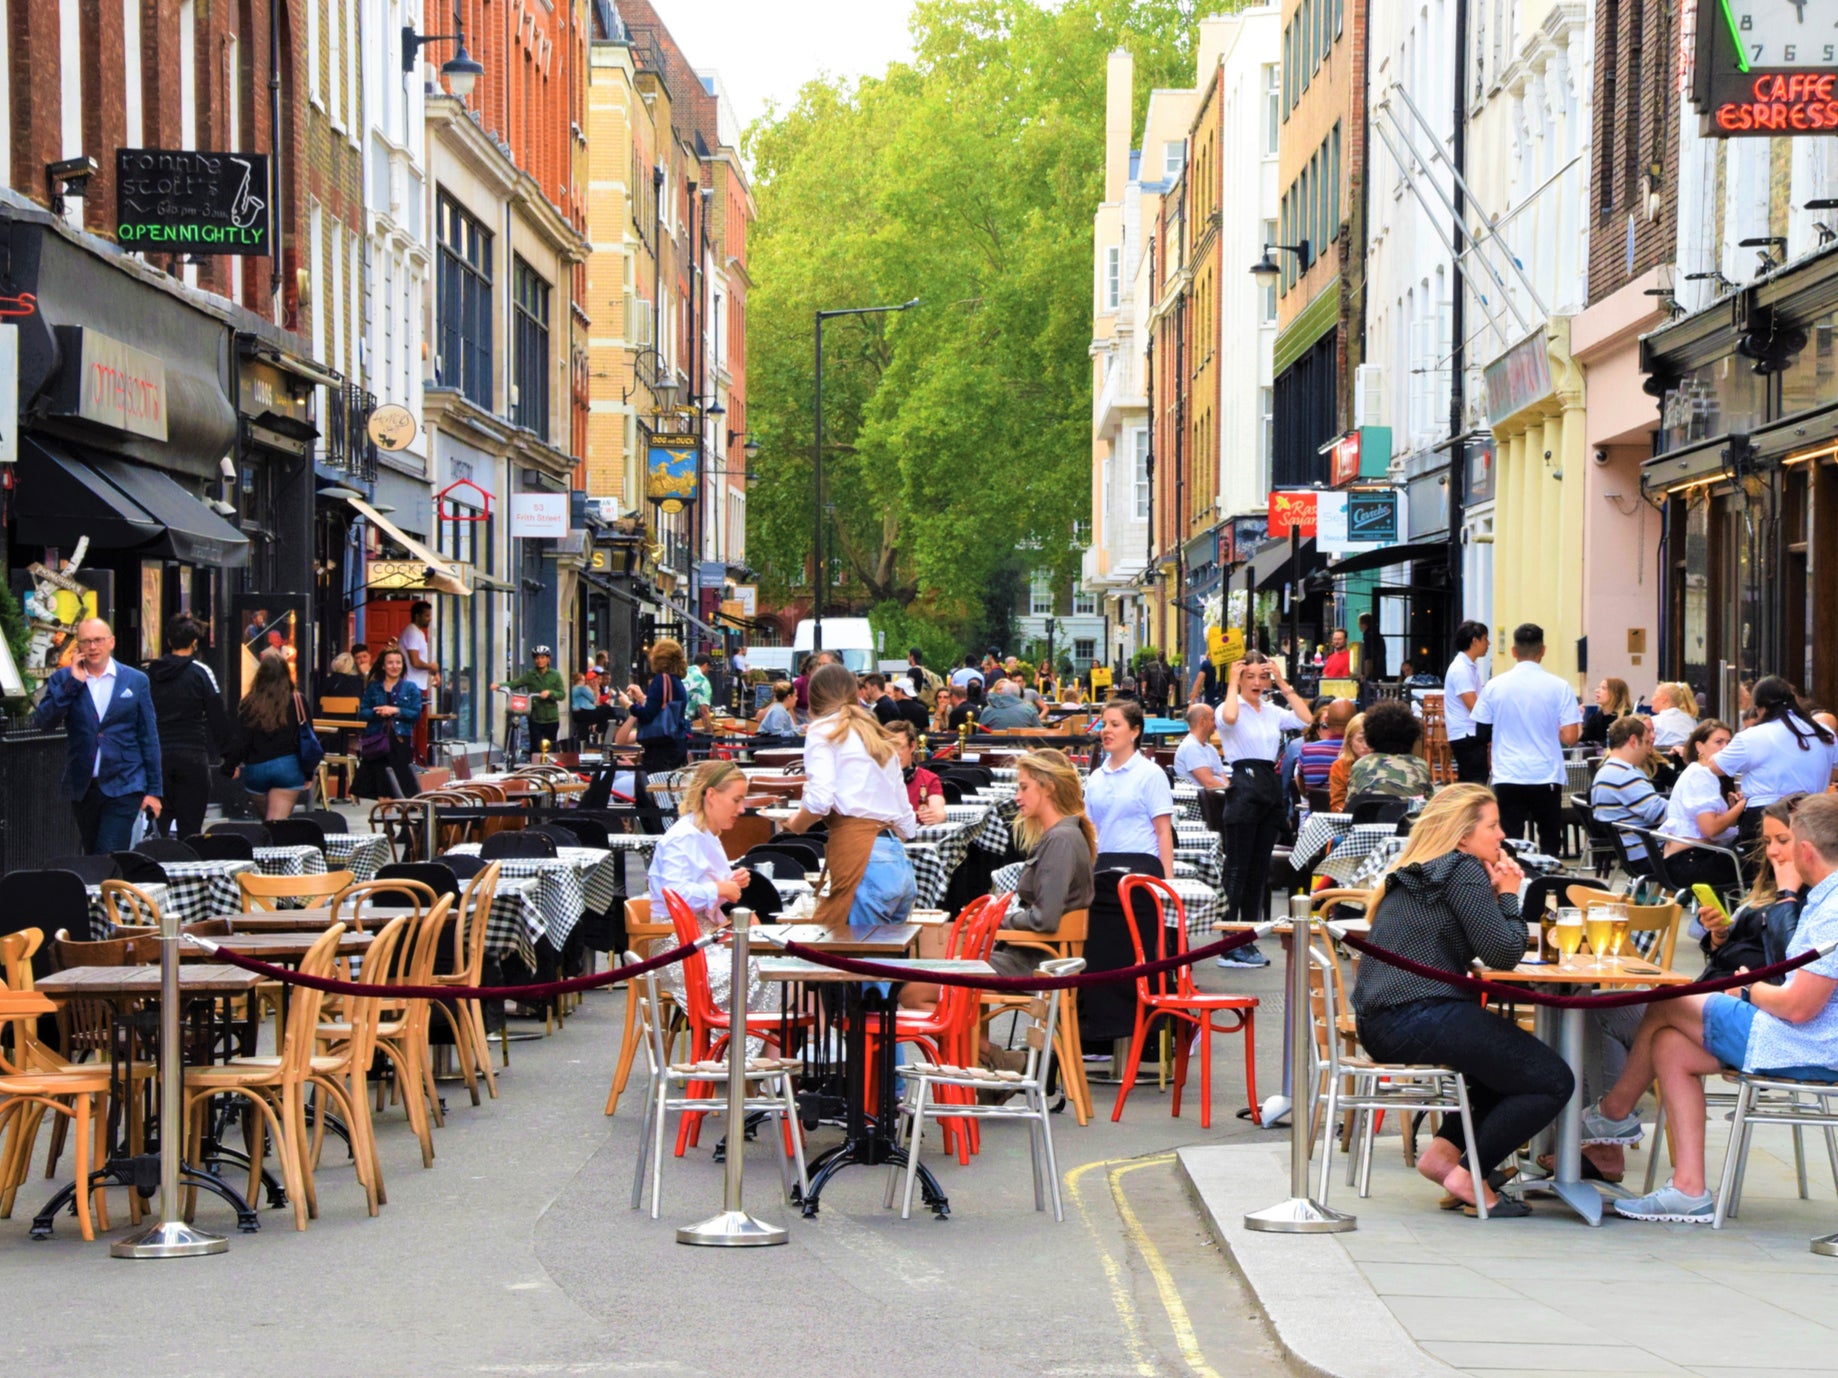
404, 576
191, 201
1292, 510
672, 475
391, 427
747, 596
1518, 378
1479, 466
1372, 518
1765, 68
1228, 545
110, 383
1343, 459
539, 516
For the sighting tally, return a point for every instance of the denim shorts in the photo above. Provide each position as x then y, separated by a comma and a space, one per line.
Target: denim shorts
888, 891
283, 772
1727, 1021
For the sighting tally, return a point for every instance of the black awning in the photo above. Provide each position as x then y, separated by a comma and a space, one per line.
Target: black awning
1386, 556
61, 500
1272, 568
194, 534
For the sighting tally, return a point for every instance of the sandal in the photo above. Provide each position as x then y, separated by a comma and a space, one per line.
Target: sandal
1496, 1179
1506, 1208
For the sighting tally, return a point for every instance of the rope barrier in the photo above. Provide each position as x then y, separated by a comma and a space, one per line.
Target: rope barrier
1527, 995
539, 991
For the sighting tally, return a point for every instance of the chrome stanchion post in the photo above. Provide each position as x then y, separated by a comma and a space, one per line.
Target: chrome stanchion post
1827, 1245
732, 1227
1300, 1214
431, 832
172, 1237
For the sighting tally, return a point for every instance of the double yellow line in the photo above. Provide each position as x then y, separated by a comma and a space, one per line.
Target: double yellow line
1115, 1169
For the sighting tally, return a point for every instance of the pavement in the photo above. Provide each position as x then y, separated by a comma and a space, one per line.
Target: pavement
516, 1253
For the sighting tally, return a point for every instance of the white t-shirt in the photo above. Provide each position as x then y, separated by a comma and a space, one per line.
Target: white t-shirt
1526, 706
416, 640
1194, 754
1698, 790
1258, 733
1771, 764
1775, 1044
961, 677
1672, 727
843, 777
1465, 677
1124, 802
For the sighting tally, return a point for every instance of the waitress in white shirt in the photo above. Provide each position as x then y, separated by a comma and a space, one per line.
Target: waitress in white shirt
1128, 798
1251, 728
690, 861
1460, 688
853, 784
1784, 753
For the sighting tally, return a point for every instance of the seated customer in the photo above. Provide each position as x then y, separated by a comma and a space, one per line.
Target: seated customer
1392, 765
1675, 714
1450, 898
1197, 760
1622, 795
924, 790
966, 706
776, 720
1757, 934
1701, 808
1789, 1030
1353, 749
1006, 708
1318, 753
1050, 825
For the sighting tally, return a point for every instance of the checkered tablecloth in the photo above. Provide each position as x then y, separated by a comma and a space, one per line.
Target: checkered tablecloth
996, 832
1383, 852
1317, 833
201, 889
1203, 903
1187, 800
1348, 858
516, 921
576, 880
642, 843
951, 839
291, 861
98, 913
929, 872
1578, 775
362, 854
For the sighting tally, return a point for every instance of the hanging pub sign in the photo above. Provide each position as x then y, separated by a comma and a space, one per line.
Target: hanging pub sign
1764, 68
672, 476
187, 201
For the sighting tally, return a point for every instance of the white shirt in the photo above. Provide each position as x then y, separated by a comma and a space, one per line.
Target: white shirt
1771, 764
1775, 1044
1124, 802
841, 777
101, 690
416, 640
689, 860
1672, 727
1526, 706
1464, 677
1194, 754
961, 677
1258, 733
1698, 790
738, 662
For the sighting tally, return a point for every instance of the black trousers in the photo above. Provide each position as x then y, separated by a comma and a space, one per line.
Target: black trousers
187, 791
1540, 806
1253, 822
1470, 755
105, 822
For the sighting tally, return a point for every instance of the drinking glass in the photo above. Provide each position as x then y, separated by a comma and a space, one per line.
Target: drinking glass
1600, 929
1568, 934
1617, 917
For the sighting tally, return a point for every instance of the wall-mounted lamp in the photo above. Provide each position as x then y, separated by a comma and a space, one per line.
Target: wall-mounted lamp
461, 70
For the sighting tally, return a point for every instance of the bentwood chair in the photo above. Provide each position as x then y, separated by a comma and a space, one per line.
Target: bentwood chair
465, 1016
267, 892
1068, 940
640, 1002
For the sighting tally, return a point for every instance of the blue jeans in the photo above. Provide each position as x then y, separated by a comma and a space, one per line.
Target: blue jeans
888, 891
1516, 1085
105, 822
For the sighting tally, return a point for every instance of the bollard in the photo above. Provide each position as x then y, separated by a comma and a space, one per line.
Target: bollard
172, 1237
1300, 1214
732, 1227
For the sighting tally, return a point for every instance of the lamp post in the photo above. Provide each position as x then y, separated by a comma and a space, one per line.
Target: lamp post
462, 70
1267, 267
818, 572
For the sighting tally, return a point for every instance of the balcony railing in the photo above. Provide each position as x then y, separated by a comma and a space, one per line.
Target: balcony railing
345, 441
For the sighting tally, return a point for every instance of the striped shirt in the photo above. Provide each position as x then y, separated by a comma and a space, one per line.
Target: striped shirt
1318, 759
1623, 795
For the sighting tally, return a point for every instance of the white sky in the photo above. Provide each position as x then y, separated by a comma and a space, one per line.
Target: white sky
765, 50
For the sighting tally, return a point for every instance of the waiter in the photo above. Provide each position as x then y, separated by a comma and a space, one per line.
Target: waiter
1531, 716
1460, 688
112, 766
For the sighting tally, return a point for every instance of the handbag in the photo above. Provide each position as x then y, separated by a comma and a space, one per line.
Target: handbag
376, 741
309, 748
670, 724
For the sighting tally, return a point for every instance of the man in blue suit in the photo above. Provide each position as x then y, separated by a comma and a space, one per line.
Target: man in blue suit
113, 768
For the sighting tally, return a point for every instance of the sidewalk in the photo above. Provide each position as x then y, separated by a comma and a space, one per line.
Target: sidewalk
1415, 1290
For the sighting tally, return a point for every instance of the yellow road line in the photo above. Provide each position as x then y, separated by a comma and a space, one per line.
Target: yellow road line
1120, 1295
1178, 1319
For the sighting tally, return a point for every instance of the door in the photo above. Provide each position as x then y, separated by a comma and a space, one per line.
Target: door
384, 619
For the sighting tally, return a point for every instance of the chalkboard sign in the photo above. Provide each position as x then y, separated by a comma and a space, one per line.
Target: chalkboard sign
191, 202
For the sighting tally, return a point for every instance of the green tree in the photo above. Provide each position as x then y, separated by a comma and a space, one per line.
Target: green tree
957, 435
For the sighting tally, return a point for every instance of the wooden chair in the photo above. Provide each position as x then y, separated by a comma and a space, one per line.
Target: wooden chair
748, 832
402, 1035
129, 906
262, 892
1660, 922
466, 1016
640, 930
1436, 740
28, 1094
1068, 940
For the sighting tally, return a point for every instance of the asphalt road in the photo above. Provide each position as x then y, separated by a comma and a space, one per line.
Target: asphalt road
516, 1254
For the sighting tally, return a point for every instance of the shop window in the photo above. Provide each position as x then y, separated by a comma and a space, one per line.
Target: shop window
1722, 397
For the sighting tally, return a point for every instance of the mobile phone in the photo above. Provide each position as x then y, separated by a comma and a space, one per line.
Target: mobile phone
1708, 903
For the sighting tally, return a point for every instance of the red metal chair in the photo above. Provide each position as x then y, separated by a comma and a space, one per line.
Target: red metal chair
1173, 995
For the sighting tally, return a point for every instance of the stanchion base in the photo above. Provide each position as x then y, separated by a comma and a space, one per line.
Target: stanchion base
1827, 1245
1299, 1215
732, 1230
169, 1239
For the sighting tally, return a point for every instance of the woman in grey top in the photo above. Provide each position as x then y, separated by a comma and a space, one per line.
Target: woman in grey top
1050, 823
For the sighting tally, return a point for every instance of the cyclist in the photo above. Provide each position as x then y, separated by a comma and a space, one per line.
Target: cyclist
546, 689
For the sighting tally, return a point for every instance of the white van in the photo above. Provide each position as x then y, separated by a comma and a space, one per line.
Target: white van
850, 637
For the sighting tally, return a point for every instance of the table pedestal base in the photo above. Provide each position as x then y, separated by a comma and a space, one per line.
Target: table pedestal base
1298, 1215
1827, 1245
1581, 1197
169, 1239
869, 1151
732, 1230
121, 1173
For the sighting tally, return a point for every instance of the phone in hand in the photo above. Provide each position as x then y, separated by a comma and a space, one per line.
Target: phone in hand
1710, 908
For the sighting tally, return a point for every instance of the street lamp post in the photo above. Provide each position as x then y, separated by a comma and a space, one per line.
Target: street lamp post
818, 574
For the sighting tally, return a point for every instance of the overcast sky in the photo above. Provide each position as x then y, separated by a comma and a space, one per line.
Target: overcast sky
765, 50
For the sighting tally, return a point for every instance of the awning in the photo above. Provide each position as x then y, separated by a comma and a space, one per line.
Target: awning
447, 570
638, 598
1386, 556
1272, 568
119, 506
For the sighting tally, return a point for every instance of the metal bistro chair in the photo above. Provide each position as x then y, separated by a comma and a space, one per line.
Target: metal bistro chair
1041, 1015
1763, 1099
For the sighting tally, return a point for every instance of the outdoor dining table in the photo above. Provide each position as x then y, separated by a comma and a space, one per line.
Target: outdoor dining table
209, 983
868, 1132
98, 911
573, 882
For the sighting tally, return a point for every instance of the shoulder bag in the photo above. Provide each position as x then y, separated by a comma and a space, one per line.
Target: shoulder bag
309, 748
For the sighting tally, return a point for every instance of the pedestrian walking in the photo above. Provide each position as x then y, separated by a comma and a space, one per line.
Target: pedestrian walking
1531, 716
265, 754
423, 673
112, 767
193, 728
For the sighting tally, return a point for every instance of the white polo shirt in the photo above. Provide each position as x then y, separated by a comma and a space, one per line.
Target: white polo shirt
1194, 754
1124, 802
1770, 764
1465, 677
1526, 706
1258, 733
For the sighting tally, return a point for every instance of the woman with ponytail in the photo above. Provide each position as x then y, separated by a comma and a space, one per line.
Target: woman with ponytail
853, 785
1050, 824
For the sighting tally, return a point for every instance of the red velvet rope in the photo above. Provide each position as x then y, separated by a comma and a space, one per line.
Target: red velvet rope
540, 991
1528, 995
887, 971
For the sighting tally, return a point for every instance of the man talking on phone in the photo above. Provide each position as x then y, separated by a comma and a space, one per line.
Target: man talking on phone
112, 767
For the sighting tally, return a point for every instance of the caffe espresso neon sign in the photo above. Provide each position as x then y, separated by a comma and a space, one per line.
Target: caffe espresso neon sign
1783, 103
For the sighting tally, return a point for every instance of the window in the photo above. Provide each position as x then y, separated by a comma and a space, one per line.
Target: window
529, 348
1140, 474
1273, 107
1269, 287
1084, 603
1085, 650
1174, 158
1266, 431
464, 284
1040, 594
1113, 277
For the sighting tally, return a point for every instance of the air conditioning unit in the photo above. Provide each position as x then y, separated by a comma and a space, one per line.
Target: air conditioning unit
1369, 395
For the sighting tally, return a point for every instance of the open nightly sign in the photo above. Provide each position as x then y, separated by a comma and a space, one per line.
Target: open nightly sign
191, 202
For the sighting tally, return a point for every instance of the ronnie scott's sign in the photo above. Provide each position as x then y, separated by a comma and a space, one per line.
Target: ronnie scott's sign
191, 202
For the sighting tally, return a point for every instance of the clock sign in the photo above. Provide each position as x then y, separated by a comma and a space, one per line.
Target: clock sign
1767, 68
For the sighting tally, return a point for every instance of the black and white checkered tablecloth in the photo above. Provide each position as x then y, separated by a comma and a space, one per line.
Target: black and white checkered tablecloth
516, 921
930, 872
99, 925
1374, 860
200, 889
576, 880
995, 833
362, 854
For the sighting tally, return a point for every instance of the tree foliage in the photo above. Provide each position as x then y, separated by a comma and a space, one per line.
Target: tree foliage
957, 435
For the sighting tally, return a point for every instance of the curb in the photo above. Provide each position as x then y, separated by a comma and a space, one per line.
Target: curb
1325, 1316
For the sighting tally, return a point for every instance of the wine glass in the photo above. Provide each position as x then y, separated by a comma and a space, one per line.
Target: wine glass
1600, 928
1568, 934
